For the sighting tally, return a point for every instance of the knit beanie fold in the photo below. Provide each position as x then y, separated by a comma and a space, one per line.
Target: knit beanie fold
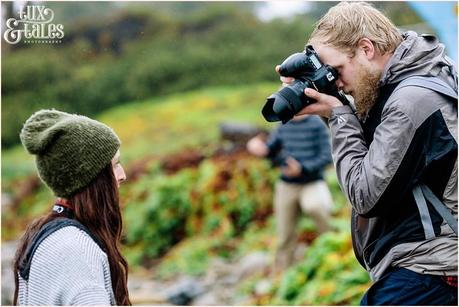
71, 150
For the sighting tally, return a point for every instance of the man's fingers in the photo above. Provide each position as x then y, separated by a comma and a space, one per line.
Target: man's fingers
313, 108
286, 80
277, 68
312, 93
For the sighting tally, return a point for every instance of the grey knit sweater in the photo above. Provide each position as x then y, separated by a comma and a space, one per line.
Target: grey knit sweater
68, 268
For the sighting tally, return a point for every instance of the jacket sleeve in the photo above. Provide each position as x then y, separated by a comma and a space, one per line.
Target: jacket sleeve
386, 170
323, 157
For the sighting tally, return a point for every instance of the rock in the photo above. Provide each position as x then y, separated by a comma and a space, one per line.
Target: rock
239, 133
184, 291
146, 292
207, 299
252, 263
7, 201
263, 287
300, 250
8, 250
218, 270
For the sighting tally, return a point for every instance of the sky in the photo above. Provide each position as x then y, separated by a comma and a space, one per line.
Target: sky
275, 9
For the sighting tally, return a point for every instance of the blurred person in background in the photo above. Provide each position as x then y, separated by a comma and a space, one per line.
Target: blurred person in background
395, 154
71, 256
301, 148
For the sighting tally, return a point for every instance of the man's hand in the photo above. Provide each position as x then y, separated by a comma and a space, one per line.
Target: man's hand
257, 147
323, 105
292, 169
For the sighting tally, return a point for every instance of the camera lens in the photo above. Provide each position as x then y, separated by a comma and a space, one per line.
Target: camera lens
284, 104
277, 108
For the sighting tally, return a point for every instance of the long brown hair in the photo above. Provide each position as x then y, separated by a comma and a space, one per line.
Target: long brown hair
96, 207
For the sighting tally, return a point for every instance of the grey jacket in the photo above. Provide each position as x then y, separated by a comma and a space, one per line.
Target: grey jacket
414, 140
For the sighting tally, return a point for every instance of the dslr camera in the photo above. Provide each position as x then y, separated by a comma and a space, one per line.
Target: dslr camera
309, 72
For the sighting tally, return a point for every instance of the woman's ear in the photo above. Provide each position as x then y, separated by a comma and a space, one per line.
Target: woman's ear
367, 47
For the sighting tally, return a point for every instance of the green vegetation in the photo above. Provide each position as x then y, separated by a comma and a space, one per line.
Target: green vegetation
328, 275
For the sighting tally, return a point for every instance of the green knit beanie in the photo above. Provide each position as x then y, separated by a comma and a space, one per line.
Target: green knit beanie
71, 150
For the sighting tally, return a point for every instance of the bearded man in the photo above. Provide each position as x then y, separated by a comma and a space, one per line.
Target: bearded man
397, 138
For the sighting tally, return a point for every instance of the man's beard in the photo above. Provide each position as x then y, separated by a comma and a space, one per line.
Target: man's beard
366, 90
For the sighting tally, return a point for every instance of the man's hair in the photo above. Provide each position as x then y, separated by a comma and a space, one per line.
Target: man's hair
346, 23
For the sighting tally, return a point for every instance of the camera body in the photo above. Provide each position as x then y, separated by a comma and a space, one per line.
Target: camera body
309, 72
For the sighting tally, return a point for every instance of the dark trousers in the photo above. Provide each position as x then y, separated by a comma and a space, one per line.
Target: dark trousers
404, 287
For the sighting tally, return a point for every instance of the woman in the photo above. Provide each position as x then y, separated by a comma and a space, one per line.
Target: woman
71, 256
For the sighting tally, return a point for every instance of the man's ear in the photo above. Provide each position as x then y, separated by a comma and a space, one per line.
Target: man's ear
367, 47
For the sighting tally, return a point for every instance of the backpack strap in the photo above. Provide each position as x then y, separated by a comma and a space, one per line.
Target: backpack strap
426, 220
42, 234
433, 83
440, 207
421, 193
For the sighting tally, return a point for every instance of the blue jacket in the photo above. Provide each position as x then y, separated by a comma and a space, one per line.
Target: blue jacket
307, 141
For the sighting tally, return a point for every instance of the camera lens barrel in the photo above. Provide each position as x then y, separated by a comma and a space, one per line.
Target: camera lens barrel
293, 97
284, 104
